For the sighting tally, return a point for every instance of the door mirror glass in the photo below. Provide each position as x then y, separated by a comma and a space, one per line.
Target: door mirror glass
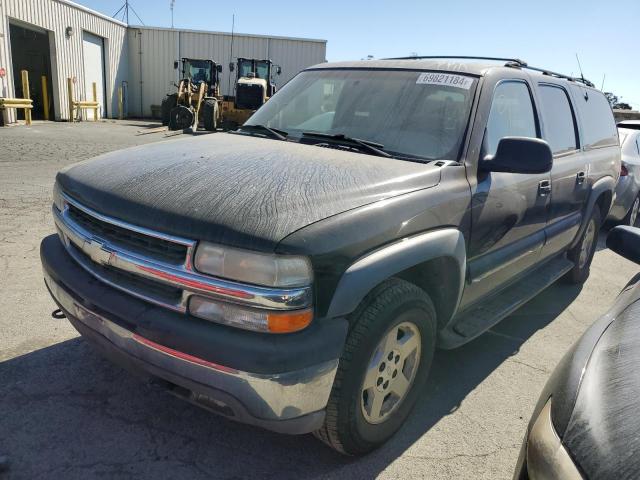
519, 155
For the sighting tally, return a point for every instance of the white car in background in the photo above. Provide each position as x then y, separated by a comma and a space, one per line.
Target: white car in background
627, 203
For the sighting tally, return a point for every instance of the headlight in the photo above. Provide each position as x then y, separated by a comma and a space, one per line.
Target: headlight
58, 199
251, 267
270, 321
546, 456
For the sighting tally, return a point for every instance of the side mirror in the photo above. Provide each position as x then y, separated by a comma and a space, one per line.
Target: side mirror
625, 241
219, 68
232, 67
519, 155
278, 70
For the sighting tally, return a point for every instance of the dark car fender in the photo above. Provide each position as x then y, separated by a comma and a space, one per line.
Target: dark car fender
374, 268
604, 186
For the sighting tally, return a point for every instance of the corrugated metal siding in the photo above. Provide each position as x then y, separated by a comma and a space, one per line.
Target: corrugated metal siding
55, 16
160, 50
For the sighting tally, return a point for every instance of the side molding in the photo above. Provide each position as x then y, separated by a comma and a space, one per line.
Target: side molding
371, 270
599, 187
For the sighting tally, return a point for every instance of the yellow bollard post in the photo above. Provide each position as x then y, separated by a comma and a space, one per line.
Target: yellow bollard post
26, 94
45, 98
120, 104
70, 95
95, 99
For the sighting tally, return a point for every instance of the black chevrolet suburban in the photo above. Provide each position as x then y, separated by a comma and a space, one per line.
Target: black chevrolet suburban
299, 273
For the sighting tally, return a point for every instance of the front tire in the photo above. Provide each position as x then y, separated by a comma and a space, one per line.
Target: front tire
582, 254
168, 103
210, 115
384, 365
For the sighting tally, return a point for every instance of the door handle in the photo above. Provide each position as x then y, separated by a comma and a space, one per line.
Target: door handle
544, 188
580, 178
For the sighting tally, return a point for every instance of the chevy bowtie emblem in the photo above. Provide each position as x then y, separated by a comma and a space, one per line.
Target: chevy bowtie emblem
99, 252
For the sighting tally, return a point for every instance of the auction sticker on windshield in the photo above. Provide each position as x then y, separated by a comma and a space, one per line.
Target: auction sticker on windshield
431, 78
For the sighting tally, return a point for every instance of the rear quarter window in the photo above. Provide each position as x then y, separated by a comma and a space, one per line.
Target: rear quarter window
598, 125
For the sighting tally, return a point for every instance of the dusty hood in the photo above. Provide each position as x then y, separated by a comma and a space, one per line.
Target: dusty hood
237, 190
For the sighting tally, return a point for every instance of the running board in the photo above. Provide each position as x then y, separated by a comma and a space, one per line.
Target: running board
478, 319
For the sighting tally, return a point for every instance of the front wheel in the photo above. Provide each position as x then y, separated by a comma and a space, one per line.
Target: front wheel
582, 253
168, 103
210, 115
384, 365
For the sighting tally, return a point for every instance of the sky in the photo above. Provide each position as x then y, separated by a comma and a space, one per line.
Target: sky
544, 33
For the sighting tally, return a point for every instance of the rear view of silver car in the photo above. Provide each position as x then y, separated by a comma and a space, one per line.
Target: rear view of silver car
627, 203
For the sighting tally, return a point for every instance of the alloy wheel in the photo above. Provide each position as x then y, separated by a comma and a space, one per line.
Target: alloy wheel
390, 372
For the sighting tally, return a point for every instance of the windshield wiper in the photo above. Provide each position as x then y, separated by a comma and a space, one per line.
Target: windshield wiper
369, 146
273, 132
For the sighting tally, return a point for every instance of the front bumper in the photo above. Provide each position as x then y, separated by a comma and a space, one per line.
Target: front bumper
290, 401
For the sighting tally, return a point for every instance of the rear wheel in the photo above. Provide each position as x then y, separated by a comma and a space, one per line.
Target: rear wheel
582, 253
632, 215
210, 115
383, 367
166, 106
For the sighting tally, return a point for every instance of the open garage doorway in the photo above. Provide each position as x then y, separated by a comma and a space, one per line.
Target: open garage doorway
30, 51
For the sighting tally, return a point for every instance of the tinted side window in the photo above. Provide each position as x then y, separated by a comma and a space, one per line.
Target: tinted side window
511, 115
598, 125
559, 123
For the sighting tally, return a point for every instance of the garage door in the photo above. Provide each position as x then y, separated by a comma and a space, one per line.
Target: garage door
93, 53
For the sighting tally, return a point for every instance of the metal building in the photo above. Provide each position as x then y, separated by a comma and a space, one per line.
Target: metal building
152, 52
60, 39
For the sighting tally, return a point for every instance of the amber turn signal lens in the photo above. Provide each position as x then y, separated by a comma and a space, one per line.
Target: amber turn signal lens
290, 321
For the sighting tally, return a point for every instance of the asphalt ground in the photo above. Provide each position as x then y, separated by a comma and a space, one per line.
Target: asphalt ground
65, 412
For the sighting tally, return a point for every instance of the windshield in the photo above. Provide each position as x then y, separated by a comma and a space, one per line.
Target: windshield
245, 67
198, 71
421, 114
262, 70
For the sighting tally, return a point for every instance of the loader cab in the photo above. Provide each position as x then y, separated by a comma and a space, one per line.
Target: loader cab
198, 71
254, 84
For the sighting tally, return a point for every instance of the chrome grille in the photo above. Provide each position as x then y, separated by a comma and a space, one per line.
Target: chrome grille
157, 248
150, 289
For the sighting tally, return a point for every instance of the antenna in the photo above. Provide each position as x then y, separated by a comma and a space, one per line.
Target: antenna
125, 13
586, 93
171, 4
603, 77
580, 67
233, 24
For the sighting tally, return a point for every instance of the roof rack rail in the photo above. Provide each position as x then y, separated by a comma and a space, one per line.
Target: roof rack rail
509, 62
544, 71
462, 57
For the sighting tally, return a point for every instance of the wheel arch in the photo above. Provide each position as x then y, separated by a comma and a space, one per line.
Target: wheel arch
434, 261
601, 197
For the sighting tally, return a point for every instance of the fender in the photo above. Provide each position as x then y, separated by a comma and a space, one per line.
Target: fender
599, 187
371, 270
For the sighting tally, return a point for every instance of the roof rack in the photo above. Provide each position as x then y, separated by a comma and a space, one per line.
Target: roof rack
462, 57
509, 62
